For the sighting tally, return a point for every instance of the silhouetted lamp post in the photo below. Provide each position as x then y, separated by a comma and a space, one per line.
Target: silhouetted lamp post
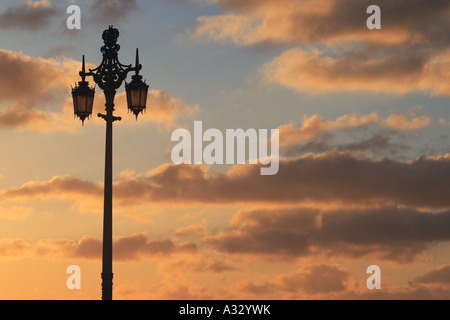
109, 76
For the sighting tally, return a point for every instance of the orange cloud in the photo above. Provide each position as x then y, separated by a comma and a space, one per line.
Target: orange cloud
412, 120
196, 264
340, 178
315, 126
15, 213
303, 22
196, 230
166, 109
178, 289
64, 187
12, 248
313, 279
439, 275
331, 282
35, 95
362, 70
295, 138
162, 108
410, 53
34, 91
125, 249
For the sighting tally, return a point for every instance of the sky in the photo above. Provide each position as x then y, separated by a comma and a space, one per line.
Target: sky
363, 118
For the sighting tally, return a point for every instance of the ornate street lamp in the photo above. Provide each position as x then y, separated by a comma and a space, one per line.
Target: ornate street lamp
109, 76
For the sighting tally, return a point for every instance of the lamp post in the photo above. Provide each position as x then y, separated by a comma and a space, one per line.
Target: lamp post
109, 76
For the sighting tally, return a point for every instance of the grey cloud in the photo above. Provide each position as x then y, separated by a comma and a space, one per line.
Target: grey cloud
439, 275
392, 234
111, 11
380, 142
130, 248
331, 177
28, 15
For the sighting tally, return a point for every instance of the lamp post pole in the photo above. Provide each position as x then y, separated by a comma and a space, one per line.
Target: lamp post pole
109, 76
107, 271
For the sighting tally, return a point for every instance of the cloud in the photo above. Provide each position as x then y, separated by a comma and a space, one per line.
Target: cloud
248, 287
370, 132
177, 289
410, 53
397, 70
15, 213
14, 118
28, 79
138, 246
196, 264
171, 288
313, 279
315, 126
404, 292
415, 119
399, 235
34, 92
395, 234
35, 95
162, 108
64, 187
28, 15
196, 230
331, 178
279, 232
125, 249
342, 177
165, 109
111, 11
379, 142
439, 275
12, 248
444, 122
333, 282
303, 22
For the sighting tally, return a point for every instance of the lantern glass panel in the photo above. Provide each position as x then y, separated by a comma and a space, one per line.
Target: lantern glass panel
135, 97
144, 92
82, 104
90, 103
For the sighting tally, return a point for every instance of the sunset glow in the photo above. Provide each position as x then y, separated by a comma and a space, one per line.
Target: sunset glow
361, 177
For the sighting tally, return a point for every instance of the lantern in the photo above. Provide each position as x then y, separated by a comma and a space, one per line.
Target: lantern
137, 91
83, 98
